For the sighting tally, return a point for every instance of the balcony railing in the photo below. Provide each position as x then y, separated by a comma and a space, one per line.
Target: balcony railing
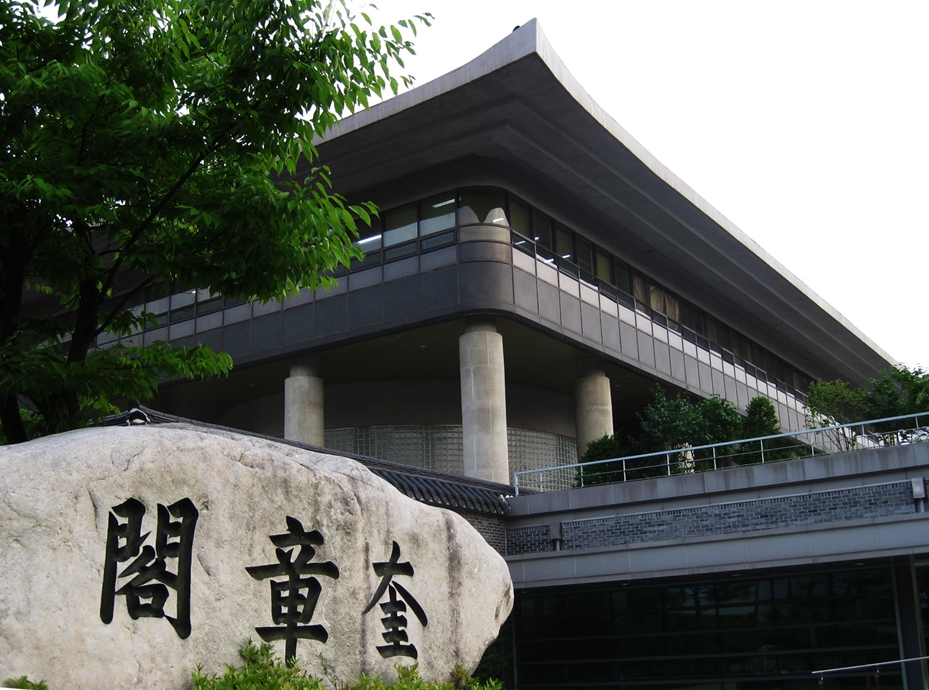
842, 438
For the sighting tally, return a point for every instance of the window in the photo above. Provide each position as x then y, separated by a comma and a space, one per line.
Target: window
438, 214
400, 225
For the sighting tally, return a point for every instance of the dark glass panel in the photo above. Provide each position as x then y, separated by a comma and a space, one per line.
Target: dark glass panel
182, 313
585, 255
640, 289
604, 266
523, 244
622, 278
399, 225
564, 243
482, 205
428, 243
401, 251
656, 298
437, 214
542, 230
519, 216
210, 306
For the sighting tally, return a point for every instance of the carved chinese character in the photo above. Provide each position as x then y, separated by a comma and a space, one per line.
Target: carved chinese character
147, 591
294, 599
397, 601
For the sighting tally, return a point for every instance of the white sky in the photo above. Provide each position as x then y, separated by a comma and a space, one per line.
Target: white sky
804, 123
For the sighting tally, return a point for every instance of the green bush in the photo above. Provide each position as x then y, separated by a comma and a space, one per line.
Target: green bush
26, 684
263, 670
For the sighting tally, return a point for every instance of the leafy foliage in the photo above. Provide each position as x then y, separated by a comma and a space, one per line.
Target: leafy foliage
897, 392
761, 420
262, 670
606, 447
145, 142
26, 684
679, 424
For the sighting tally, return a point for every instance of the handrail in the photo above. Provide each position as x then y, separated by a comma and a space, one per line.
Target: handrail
824, 440
873, 665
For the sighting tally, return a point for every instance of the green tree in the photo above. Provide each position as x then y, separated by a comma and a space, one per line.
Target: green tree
721, 422
606, 447
677, 423
761, 420
669, 423
896, 392
145, 142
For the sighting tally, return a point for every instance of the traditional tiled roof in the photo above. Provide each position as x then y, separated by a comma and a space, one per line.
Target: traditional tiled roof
457, 493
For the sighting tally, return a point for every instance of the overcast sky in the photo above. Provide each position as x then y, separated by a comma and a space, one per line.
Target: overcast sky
804, 123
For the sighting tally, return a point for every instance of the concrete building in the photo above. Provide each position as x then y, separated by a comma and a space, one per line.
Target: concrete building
533, 274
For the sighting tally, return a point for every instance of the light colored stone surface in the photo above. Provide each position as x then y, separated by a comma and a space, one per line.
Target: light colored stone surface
483, 402
593, 405
57, 497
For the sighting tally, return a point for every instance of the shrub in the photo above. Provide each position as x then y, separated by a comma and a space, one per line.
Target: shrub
263, 670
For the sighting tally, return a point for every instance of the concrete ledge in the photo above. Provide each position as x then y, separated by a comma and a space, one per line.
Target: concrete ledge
814, 544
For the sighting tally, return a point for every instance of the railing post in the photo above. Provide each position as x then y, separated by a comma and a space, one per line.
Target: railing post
624, 469
714, 458
516, 483
581, 472
667, 457
762, 451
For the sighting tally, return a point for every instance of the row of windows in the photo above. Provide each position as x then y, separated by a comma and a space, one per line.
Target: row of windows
431, 223
709, 632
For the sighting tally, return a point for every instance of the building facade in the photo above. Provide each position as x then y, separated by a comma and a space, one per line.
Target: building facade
532, 275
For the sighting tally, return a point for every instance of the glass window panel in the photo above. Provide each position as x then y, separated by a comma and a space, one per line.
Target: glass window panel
522, 244
621, 276
542, 230
656, 298
370, 243
603, 265
640, 289
672, 310
585, 254
437, 241
182, 299
438, 213
397, 252
564, 242
482, 205
519, 216
158, 306
400, 225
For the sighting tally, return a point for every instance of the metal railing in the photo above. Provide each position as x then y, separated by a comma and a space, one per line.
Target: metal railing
842, 438
876, 666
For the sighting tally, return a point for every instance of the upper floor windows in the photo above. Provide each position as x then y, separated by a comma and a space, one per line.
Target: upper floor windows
432, 222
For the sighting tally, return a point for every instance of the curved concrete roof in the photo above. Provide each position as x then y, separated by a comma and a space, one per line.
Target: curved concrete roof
518, 105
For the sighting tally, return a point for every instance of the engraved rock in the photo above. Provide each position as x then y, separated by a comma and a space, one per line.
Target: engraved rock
129, 555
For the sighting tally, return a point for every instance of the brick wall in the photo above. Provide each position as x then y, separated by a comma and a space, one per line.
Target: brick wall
745, 516
491, 527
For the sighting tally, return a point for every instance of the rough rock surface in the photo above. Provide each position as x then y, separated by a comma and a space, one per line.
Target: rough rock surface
63, 499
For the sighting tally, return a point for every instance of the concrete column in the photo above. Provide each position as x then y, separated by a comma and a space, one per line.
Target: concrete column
593, 404
483, 401
303, 402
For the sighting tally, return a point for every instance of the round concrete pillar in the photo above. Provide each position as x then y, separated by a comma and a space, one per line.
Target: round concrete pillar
303, 402
593, 404
483, 401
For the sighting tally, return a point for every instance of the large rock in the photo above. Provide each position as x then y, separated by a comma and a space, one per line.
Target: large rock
99, 528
